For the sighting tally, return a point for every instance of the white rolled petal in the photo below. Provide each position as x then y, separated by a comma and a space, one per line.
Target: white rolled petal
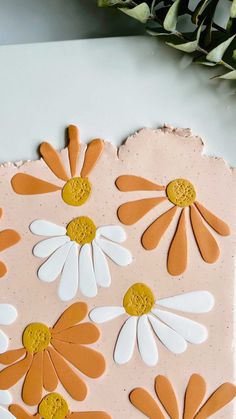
104, 314
5, 414
192, 331
146, 342
190, 302
46, 247
115, 233
8, 314
5, 397
52, 268
101, 268
119, 254
4, 342
87, 280
126, 341
70, 275
46, 228
171, 339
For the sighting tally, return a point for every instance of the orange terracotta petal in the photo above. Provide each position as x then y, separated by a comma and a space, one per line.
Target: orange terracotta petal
10, 357
216, 223
84, 333
220, 398
131, 212
195, 392
24, 184
73, 148
71, 316
50, 380
9, 376
53, 160
89, 415
167, 397
128, 183
72, 383
21, 413
8, 238
178, 252
87, 360
152, 236
33, 384
3, 269
145, 403
207, 244
92, 154
1, 212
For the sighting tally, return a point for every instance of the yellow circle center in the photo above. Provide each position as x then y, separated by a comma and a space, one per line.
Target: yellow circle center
53, 406
36, 337
76, 191
81, 230
181, 192
138, 300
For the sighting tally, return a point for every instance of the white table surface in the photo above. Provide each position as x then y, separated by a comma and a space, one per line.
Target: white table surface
110, 88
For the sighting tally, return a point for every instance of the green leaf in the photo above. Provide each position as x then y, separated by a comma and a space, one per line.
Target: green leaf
228, 76
108, 3
199, 9
171, 18
233, 9
188, 46
140, 12
217, 53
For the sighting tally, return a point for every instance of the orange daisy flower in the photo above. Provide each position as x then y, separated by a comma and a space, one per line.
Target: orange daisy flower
194, 395
76, 189
45, 351
182, 195
8, 238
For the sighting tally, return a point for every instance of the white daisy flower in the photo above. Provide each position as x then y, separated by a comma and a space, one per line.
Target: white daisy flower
8, 315
5, 400
147, 317
78, 253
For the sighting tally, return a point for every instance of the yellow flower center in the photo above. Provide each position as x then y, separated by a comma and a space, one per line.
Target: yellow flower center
81, 230
76, 191
36, 337
138, 300
53, 406
181, 192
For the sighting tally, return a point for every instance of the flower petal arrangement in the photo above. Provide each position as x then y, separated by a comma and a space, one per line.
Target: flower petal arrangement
8, 238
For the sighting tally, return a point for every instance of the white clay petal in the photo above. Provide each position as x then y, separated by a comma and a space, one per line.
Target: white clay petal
101, 268
171, 339
4, 341
46, 228
115, 233
8, 314
70, 275
52, 268
5, 414
126, 341
46, 247
87, 280
146, 342
192, 331
119, 254
5, 397
104, 314
190, 302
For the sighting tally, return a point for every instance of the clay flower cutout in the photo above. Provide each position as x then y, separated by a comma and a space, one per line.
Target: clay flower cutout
42, 360
145, 319
54, 406
182, 195
77, 253
8, 315
7, 239
75, 189
195, 393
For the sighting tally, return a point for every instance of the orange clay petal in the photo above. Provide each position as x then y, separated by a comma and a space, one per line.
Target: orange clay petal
128, 183
50, 380
92, 154
3, 269
152, 236
220, 398
73, 148
167, 397
71, 316
33, 384
84, 333
8, 238
178, 253
195, 392
24, 184
9, 376
87, 360
207, 244
216, 223
144, 402
72, 383
1, 212
89, 415
53, 160
20, 413
10, 357
131, 212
